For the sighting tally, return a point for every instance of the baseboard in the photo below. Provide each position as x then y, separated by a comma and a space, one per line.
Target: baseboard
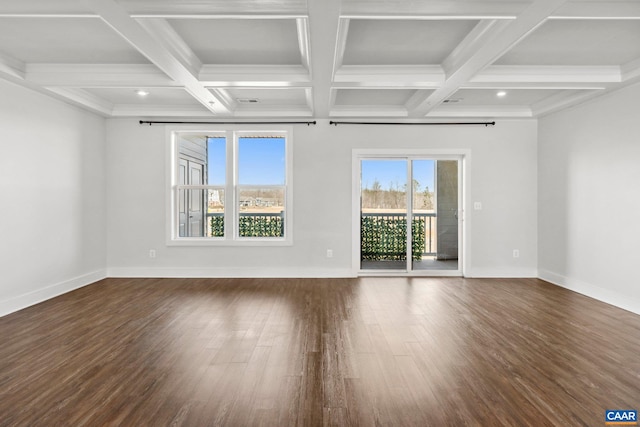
236, 272
502, 273
614, 298
19, 302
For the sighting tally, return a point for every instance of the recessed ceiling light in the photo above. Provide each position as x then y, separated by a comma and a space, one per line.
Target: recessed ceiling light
501, 94
142, 93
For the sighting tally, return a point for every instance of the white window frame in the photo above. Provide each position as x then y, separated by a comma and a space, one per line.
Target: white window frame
231, 187
463, 156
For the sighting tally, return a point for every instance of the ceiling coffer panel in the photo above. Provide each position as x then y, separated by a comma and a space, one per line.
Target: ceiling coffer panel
241, 41
324, 59
408, 42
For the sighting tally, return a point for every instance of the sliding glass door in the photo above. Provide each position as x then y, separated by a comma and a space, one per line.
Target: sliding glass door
422, 239
383, 213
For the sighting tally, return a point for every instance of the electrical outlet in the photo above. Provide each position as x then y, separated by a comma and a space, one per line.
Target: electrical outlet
477, 206
516, 253
152, 253
329, 253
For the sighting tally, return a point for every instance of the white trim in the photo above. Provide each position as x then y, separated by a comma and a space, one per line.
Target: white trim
302, 28
114, 15
28, 299
463, 156
254, 76
391, 76
404, 273
232, 133
480, 111
84, 99
503, 35
231, 272
166, 35
505, 74
502, 273
12, 66
431, 10
341, 44
619, 300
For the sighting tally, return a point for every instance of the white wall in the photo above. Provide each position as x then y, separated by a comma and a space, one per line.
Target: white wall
589, 198
52, 185
503, 173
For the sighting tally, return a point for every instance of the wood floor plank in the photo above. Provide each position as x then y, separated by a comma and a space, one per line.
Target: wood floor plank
318, 352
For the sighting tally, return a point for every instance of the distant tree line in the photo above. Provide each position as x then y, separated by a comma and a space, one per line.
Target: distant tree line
394, 197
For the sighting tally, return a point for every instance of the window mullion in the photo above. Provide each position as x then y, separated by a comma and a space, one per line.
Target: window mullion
261, 203
230, 197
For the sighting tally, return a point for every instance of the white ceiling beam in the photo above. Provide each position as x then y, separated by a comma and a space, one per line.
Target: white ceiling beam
12, 67
562, 100
163, 8
274, 111
341, 44
249, 15
308, 96
536, 86
292, 9
118, 19
502, 39
399, 76
324, 17
154, 110
98, 75
547, 74
225, 96
546, 106
630, 70
302, 28
8, 8
164, 33
254, 75
416, 99
477, 111
83, 99
431, 9
170, 8
480, 35
368, 111
605, 9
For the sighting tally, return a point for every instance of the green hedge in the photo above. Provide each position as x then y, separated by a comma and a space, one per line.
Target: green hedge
251, 226
216, 223
261, 226
384, 238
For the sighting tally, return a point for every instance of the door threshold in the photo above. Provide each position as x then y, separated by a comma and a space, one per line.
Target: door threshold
404, 273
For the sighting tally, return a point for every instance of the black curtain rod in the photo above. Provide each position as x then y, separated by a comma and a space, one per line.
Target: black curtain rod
416, 123
151, 122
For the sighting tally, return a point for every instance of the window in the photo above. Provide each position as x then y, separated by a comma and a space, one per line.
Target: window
230, 187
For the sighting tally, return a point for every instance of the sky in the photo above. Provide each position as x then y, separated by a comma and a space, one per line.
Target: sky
392, 172
261, 161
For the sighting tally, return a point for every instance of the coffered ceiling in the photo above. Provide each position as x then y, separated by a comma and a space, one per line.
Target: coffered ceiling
275, 59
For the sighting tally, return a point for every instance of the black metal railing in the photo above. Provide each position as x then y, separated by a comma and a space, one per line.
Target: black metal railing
383, 236
249, 225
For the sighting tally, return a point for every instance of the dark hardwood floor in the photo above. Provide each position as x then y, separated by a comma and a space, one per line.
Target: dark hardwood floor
285, 352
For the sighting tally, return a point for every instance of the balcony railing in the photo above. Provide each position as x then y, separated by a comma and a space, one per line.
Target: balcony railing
250, 224
383, 236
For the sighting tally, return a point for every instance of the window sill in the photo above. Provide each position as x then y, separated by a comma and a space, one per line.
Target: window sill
204, 241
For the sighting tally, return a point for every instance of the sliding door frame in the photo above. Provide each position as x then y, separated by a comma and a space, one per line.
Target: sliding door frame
464, 184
